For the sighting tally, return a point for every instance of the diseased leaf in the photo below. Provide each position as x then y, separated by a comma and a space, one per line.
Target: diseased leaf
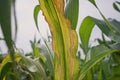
64, 42
71, 12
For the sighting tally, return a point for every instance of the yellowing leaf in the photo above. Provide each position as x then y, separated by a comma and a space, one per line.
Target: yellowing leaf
64, 39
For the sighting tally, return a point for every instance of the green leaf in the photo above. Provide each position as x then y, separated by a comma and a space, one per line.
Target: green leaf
115, 46
45, 54
116, 70
93, 2
36, 12
13, 2
85, 32
7, 61
93, 61
6, 68
115, 36
35, 67
100, 74
105, 20
115, 73
88, 76
115, 24
5, 20
72, 12
37, 53
48, 53
116, 6
106, 69
87, 26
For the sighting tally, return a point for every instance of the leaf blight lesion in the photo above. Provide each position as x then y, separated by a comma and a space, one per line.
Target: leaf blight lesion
63, 37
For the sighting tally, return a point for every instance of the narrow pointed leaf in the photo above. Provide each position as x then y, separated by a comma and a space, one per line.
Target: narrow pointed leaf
15, 18
93, 2
5, 20
116, 6
71, 12
50, 59
36, 12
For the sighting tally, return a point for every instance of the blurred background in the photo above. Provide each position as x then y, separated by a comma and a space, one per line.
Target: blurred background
27, 30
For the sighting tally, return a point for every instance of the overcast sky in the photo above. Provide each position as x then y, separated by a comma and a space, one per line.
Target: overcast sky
27, 29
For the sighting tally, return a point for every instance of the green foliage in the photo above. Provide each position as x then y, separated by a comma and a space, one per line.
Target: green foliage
84, 32
110, 28
64, 39
98, 55
62, 61
72, 11
115, 36
36, 11
116, 6
4, 68
45, 55
5, 21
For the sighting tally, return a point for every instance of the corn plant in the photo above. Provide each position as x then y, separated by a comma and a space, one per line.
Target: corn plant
62, 24
107, 68
62, 62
